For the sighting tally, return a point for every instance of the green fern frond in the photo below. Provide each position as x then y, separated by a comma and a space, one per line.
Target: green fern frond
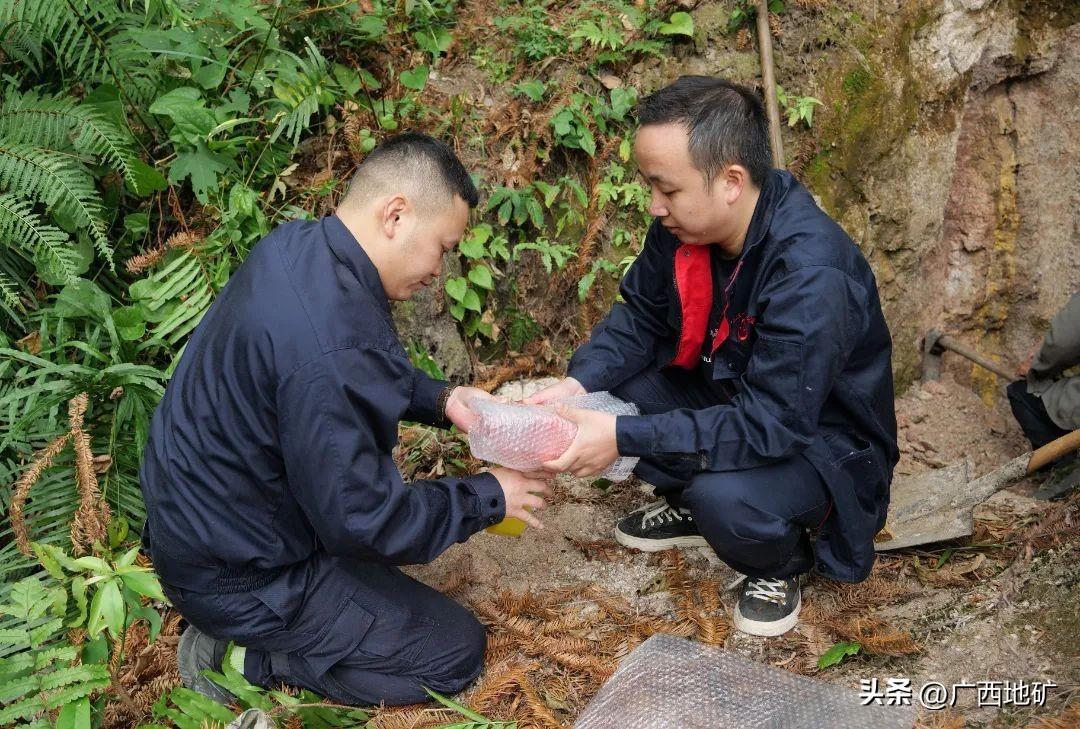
58, 182
74, 29
8, 292
56, 123
21, 228
301, 88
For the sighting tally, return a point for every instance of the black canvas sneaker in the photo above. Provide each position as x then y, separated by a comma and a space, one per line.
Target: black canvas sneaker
768, 606
658, 526
196, 653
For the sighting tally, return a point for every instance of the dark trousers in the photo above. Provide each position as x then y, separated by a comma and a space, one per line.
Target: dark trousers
756, 520
354, 632
1031, 414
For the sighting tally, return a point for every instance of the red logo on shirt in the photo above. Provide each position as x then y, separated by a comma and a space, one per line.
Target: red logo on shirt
743, 325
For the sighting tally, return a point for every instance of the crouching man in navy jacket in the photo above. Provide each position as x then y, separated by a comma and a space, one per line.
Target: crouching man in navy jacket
275, 512
752, 338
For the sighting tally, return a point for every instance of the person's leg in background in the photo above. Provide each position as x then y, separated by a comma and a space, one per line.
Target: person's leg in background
1040, 429
1031, 414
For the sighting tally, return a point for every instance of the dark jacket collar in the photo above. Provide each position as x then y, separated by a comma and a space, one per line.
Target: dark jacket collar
349, 251
776, 183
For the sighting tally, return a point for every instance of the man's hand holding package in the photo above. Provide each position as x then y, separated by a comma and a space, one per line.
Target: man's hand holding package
594, 447
522, 494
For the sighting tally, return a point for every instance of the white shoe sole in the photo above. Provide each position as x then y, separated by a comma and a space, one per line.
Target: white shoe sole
658, 545
767, 629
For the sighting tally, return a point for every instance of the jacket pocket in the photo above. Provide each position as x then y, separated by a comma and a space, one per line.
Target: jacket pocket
854, 456
342, 635
729, 362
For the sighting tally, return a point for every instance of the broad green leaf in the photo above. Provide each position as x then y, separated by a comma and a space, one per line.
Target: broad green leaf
481, 276
75, 715
457, 311
198, 706
143, 582
415, 78
532, 88
192, 121
471, 248
106, 610
456, 288
678, 24
144, 180
95, 564
347, 78
837, 653
150, 615
128, 558
471, 301
82, 297
130, 323
202, 166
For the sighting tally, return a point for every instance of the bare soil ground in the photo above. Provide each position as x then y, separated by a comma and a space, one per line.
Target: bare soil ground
565, 604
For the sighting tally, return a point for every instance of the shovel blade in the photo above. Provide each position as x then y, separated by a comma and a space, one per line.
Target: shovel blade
928, 507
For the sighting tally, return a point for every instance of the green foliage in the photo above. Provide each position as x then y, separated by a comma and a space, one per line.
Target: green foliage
678, 24
475, 720
797, 108
838, 653
186, 709
745, 13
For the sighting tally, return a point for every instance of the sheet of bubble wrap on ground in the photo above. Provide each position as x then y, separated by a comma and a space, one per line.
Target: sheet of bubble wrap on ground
525, 436
673, 682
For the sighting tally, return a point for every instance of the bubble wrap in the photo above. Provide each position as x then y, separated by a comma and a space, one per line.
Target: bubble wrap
673, 682
525, 436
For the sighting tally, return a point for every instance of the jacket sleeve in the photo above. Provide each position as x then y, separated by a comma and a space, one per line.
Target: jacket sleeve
424, 402
338, 425
811, 319
1060, 348
624, 343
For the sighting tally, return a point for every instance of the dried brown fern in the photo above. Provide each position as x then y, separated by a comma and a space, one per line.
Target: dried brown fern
92, 517
38, 465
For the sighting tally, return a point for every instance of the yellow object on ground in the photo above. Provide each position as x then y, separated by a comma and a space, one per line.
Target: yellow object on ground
508, 527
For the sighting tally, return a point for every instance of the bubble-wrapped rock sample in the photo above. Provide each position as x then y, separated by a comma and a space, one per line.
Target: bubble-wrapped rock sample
605, 402
673, 682
525, 436
518, 436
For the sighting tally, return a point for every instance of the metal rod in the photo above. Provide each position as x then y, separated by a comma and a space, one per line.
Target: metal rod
768, 78
952, 345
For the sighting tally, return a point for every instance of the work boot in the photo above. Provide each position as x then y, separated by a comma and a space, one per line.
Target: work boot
658, 526
196, 653
768, 606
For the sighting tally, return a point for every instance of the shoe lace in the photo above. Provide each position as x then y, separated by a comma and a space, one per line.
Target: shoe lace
659, 512
768, 590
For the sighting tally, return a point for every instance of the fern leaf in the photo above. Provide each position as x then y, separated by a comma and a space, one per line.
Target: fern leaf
58, 182
55, 122
21, 228
74, 28
8, 292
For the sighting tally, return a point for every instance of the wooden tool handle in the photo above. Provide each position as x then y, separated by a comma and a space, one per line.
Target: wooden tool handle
1054, 450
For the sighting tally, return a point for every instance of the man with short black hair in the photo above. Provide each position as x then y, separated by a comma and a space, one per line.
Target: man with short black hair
275, 512
752, 339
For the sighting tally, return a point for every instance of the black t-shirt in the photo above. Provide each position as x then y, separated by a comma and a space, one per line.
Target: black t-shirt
722, 268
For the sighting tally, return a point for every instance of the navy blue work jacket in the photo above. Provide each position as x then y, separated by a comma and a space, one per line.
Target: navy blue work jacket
275, 434
802, 345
